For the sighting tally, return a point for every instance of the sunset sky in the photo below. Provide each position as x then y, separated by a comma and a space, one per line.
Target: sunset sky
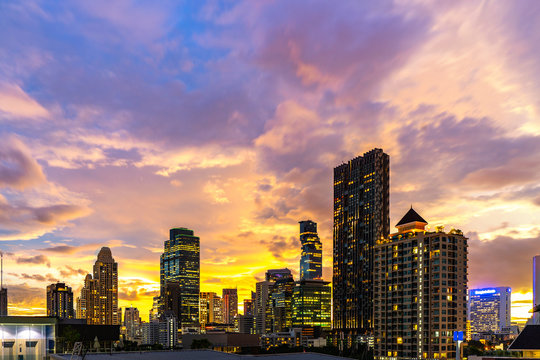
122, 119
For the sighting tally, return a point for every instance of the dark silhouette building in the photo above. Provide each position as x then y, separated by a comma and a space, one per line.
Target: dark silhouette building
60, 301
311, 259
180, 263
361, 217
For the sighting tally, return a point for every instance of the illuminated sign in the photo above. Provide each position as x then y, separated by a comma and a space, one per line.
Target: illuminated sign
484, 291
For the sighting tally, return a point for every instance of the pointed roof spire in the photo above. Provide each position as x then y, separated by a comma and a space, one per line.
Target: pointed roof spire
410, 217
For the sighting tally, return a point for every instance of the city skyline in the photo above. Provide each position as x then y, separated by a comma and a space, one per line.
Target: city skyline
120, 121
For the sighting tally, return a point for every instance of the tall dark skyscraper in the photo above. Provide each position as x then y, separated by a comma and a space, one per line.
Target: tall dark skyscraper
311, 259
3, 290
60, 301
180, 262
361, 216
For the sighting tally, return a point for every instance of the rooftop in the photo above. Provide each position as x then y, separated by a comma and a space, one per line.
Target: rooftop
528, 339
198, 355
410, 217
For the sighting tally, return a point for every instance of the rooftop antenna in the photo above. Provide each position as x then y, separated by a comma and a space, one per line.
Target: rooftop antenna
1, 269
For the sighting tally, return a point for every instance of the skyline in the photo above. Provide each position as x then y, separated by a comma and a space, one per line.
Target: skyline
121, 121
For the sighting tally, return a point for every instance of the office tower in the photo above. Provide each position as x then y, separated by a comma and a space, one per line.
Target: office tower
248, 307
3, 290
60, 301
312, 304
361, 217
262, 292
420, 291
230, 305
278, 307
171, 298
489, 310
210, 309
311, 259
98, 303
536, 288
180, 262
132, 322
156, 309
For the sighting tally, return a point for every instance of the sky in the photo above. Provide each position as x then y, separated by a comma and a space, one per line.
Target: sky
120, 120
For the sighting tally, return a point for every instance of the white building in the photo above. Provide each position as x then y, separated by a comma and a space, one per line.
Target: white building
489, 310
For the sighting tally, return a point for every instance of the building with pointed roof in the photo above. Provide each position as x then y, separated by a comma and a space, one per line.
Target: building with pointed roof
420, 291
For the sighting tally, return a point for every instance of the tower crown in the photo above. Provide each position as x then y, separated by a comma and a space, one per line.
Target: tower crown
105, 255
411, 221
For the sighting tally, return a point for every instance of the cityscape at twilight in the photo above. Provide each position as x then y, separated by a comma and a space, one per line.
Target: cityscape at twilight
122, 121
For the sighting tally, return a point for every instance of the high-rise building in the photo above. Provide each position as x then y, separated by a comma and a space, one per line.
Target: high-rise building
98, 302
536, 289
3, 290
420, 291
361, 217
180, 262
311, 259
248, 306
312, 304
262, 296
230, 305
132, 322
210, 310
489, 310
279, 305
60, 301
171, 298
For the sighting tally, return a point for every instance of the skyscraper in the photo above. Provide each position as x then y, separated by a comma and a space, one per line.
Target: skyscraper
98, 302
311, 259
262, 296
361, 217
420, 291
180, 262
210, 310
489, 310
60, 301
171, 298
312, 304
132, 322
3, 290
536, 289
230, 305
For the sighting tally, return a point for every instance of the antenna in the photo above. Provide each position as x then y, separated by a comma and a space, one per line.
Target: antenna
1, 269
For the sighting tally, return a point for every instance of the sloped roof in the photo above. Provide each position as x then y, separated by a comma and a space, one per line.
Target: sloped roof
528, 339
411, 216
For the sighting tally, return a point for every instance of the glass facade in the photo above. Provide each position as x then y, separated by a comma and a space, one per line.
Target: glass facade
311, 259
312, 304
180, 262
361, 217
489, 309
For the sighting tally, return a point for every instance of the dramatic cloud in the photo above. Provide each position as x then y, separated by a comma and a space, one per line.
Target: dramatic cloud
119, 122
38, 259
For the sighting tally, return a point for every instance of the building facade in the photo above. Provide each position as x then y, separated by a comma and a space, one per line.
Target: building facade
133, 324
312, 304
311, 258
489, 310
420, 291
361, 217
262, 296
180, 263
98, 303
60, 301
279, 305
230, 305
210, 308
